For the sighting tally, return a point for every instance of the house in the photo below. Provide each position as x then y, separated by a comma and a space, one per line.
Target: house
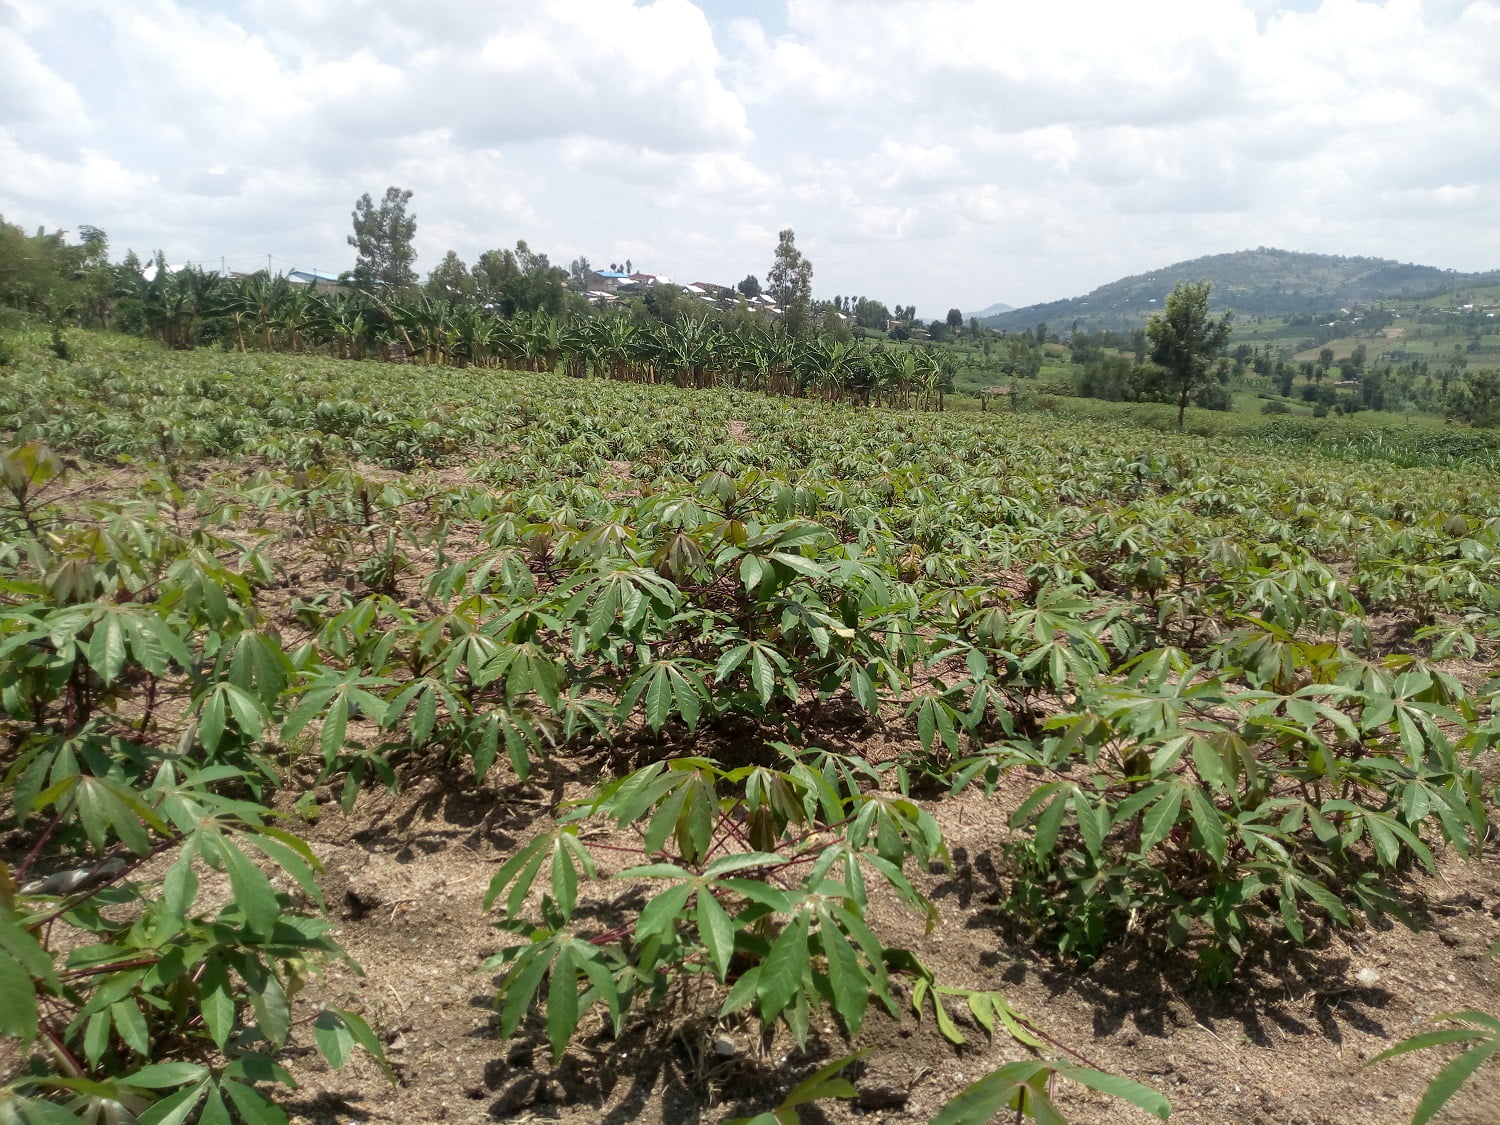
717, 292
326, 282
609, 281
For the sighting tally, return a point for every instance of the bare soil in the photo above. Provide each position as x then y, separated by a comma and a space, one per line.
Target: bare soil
1286, 1044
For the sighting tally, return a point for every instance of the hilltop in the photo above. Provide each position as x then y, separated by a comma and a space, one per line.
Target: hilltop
1260, 282
991, 310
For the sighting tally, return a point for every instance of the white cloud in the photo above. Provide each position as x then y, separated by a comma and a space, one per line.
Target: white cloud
943, 151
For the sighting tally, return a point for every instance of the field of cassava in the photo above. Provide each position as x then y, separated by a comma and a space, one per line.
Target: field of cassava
691, 755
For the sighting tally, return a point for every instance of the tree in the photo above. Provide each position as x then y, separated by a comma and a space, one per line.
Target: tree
1185, 340
45, 275
451, 280
956, 321
750, 287
1476, 400
871, 314
519, 281
383, 237
790, 283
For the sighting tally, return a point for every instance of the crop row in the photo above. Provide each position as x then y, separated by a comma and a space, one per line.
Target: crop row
1225, 681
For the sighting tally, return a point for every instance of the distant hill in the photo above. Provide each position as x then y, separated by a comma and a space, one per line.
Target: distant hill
992, 310
1261, 282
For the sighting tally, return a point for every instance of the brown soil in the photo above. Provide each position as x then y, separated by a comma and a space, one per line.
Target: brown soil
1285, 1045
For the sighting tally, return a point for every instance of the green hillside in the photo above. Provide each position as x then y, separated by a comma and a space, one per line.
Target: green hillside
1260, 282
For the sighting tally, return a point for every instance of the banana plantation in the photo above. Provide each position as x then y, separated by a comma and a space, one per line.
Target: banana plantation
750, 352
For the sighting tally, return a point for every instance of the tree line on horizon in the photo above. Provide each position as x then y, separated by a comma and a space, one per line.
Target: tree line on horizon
513, 307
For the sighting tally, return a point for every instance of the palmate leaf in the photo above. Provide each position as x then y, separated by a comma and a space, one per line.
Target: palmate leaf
338, 1031
847, 979
332, 696
782, 972
822, 1083
1022, 1087
105, 807
223, 700
921, 990
517, 874
1209, 822
24, 966
1449, 1080
121, 632
1159, 820
257, 664
666, 687
716, 932
422, 697
563, 960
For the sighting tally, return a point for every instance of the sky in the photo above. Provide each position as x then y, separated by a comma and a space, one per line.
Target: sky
942, 153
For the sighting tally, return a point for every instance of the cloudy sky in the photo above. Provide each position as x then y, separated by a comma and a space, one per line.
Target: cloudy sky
936, 152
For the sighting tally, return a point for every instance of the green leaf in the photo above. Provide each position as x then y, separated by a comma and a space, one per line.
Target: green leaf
215, 1112
253, 1106
212, 719
23, 964
335, 727
782, 971
1450, 1079
562, 1002
106, 650
1429, 1039
716, 931
762, 676
1093, 823
131, 1025
161, 1076
1142, 1097
333, 1038
822, 1083
1209, 822
742, 992
175, 1108
528, 858
273, 1013
1160, 819
252, 890
763, 893
659, 698
18, 1008
662, 912
724, 865
1002, 1089
520, 984
564, 878
1049, 824
360, 1031
846, 979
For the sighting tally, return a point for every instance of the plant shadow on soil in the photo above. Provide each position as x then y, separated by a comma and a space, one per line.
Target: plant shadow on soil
1132, 981
1130, 1004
